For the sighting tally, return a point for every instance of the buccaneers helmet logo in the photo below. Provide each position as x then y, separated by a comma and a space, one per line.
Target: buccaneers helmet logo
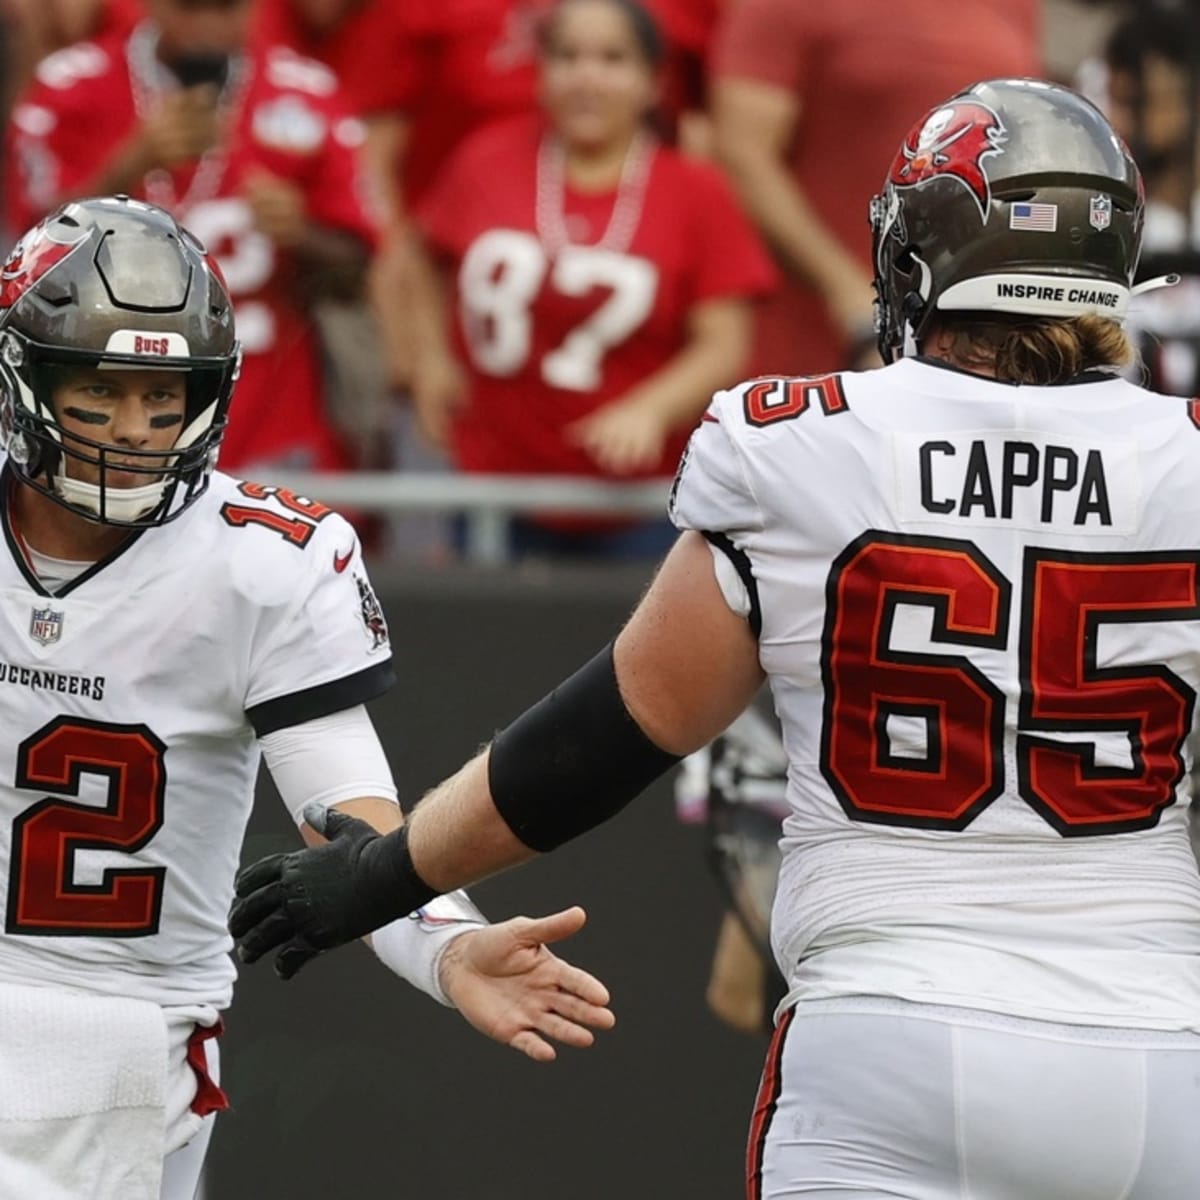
32, 258
952, 141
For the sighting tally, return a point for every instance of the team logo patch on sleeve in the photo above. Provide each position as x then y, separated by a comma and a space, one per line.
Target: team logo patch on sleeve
45, 625
371, 612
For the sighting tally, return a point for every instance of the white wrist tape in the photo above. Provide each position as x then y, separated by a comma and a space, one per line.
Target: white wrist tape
413, 946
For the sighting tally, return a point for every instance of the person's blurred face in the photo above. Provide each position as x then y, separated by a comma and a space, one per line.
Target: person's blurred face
596, 84
200, 26
324, 16
1164, 130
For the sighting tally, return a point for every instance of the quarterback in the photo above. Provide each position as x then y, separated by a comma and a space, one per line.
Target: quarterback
972, 580
161, 626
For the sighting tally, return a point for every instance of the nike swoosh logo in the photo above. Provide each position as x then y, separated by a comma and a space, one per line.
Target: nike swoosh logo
342, 561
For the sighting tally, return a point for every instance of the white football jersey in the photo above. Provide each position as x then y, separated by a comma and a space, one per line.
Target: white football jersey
131, 702
979, 609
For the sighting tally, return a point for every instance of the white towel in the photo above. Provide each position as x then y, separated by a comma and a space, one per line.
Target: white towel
82, 1089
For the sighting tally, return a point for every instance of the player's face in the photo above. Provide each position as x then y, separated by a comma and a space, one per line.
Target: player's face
140, 410
596, 83
200, 26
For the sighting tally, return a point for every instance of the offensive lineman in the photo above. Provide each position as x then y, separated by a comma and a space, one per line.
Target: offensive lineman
158, 624
972, 578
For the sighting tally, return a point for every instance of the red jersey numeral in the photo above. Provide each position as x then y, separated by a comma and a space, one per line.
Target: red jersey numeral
43, 897
771, 400
1067, 603
959, 768
867, 683
295, 530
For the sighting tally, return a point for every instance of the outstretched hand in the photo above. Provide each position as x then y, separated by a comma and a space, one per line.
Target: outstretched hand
508, 985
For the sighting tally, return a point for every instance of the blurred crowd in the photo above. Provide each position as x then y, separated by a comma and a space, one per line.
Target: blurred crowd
533, 236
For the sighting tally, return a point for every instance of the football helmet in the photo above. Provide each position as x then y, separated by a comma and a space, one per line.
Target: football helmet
1014, 196
115, 283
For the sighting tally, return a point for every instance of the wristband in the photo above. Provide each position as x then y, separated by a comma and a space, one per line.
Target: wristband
413, 946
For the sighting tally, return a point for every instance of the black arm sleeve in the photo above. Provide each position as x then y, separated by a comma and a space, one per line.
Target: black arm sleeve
573, 760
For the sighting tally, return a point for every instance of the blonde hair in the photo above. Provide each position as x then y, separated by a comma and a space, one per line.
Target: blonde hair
1036, 350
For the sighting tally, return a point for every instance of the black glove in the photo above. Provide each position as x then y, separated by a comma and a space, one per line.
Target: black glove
315, 899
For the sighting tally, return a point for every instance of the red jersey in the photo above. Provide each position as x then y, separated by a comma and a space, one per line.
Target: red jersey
367, 50
553, 331
463, 64
286, 118
119, 16
862, 71
458, 65
688, 27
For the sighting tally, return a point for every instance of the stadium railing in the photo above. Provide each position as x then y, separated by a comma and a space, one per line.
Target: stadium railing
486, 502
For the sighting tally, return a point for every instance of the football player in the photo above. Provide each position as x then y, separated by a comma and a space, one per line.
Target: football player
160, 626
972, 579
252, 148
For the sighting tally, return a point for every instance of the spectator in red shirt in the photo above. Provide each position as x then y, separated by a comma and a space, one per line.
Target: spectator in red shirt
39, 27
367, 45
453, 67
808, 100
602, 282
253, 149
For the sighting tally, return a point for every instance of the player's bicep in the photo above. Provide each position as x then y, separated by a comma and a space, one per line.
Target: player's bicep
686, 663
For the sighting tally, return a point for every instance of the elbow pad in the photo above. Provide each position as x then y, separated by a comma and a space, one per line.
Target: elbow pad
573, 760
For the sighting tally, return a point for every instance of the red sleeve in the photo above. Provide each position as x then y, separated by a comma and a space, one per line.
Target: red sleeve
119, 16
338, 193
731, 261
447, 213
377, 61
60, 131
768, 41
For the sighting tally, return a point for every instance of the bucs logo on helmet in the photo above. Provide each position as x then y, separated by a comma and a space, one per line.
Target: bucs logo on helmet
952, 142
32, 258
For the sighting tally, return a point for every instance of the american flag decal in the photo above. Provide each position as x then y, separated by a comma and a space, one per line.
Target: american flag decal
1042, 217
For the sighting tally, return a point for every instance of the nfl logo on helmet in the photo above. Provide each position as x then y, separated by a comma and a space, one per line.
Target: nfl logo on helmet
45, 625
1100, 213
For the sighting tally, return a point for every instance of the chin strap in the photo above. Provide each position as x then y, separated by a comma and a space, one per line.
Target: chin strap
120, 504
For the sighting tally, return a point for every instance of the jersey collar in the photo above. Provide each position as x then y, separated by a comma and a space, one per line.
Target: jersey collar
951, 372
16, 544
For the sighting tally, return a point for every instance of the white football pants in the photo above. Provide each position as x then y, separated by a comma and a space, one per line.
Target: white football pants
884, 1100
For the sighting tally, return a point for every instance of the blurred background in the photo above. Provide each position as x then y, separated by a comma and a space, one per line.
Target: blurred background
489, 260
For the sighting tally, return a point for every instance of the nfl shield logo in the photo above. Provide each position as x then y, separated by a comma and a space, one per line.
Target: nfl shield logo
46, 625
1100, 215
